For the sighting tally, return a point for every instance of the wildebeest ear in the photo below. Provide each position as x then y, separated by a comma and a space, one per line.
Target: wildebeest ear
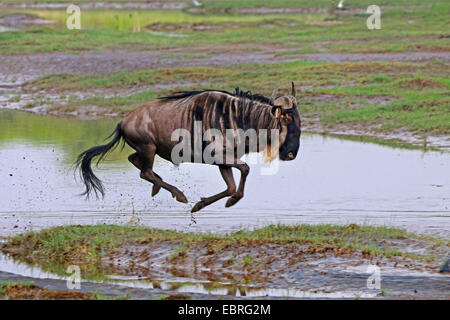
276, 111
274, 93
293, 89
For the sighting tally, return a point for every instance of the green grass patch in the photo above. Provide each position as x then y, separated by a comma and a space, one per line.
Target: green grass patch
418, 29
388, 96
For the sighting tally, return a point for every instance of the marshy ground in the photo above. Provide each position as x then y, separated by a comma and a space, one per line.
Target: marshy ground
388, 86
290, 261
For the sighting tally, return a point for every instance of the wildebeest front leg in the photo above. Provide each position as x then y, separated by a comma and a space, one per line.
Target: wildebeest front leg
227, 175
244, 169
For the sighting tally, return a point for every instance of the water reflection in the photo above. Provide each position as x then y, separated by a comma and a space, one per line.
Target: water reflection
184, 285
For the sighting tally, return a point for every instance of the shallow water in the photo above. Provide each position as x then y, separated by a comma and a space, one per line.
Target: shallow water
138, 20
332, 181
331, 284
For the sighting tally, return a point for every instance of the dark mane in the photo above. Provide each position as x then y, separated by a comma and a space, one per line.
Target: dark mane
238, 93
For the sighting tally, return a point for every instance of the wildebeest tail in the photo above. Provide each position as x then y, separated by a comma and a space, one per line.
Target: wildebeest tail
83, 163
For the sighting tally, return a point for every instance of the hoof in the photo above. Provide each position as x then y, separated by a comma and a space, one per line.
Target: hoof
198, 206
155, 190
180, 197
232, 200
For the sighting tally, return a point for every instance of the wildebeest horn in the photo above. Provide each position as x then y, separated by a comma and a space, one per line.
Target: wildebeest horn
293, 89
283, 102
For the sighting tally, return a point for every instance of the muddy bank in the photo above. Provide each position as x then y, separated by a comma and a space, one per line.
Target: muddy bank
20, 291
365, 57
260, 263
19, 68
261, 10
265, 10
292, 10
439, 142
346, 10
414, 287
166, 5
56, 288
19, 20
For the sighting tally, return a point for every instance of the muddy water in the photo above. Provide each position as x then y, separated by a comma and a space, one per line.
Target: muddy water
332, 181
334, 283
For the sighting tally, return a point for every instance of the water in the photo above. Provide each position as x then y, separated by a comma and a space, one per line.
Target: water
333, 284
139, 20
332, 181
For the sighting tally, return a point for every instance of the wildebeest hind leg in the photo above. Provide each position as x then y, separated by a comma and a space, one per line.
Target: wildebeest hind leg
147, 156
135, 160
152, 177
244, 169
227, 175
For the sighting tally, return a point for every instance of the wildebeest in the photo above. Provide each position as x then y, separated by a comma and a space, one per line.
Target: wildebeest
148, 130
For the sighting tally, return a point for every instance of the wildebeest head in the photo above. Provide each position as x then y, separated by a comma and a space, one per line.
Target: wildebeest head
285, 109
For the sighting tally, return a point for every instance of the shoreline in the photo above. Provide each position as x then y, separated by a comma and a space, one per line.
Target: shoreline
357, 132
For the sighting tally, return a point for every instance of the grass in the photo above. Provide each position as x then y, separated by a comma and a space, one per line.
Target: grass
56, 248
419, 29
180, 252
127, 79
349, 94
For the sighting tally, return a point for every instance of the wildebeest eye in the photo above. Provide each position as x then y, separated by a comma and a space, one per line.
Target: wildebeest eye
276, 111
